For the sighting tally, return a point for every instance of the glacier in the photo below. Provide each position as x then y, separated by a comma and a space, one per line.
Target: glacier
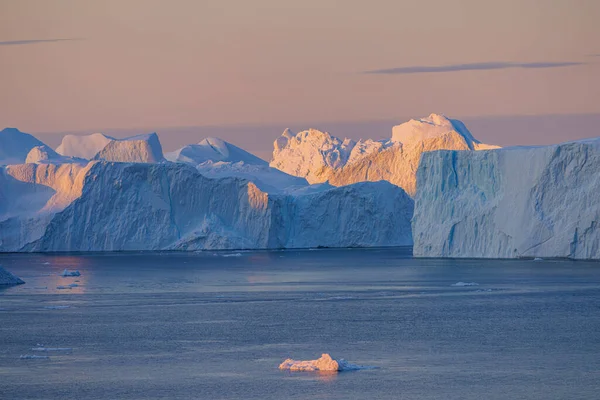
529, 202
320, 157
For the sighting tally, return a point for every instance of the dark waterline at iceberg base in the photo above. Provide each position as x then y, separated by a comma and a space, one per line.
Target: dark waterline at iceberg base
216, 325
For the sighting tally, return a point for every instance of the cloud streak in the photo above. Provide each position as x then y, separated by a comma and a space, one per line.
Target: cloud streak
33, 41
422, 69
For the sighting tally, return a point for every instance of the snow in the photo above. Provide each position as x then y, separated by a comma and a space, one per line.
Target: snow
85, 147
6, 278
104, 206
325, 363
66, 272
320, 157
15, 145
135, 149
530, 202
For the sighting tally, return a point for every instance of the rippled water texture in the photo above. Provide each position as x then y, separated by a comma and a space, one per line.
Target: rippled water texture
217, 326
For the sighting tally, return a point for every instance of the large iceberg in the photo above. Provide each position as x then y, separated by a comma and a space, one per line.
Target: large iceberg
320, 157
103, 206
508, 203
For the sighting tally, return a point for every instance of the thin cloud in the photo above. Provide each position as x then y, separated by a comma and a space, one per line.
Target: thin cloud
33, 41
471, 67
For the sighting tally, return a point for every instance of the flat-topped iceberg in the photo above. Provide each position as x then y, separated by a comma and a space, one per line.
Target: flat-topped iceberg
532, 202
326, 363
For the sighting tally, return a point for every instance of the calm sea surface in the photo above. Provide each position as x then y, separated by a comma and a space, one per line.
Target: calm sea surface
216, 325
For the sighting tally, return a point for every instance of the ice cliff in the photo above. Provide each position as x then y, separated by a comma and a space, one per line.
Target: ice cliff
104, 206
508, 203
319, 157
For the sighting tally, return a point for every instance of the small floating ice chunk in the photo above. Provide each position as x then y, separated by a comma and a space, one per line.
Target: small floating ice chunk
33, 357
63, 287
465, 284
538, 259
66, 272
42, 348
57, 307
233, 255
325, 363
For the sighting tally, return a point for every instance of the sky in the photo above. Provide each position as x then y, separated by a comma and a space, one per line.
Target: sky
141, 65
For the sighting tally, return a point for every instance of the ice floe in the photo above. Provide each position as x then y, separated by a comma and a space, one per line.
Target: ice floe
465, 284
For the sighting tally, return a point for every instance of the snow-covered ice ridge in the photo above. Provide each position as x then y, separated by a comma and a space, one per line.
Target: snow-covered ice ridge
105, 206
320, 157
514, 202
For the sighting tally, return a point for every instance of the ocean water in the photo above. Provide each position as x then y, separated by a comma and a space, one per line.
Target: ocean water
216, 325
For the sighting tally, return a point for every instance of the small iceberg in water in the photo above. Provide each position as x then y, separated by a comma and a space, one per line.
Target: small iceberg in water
461, 284
8, 279
66, 272
325, 363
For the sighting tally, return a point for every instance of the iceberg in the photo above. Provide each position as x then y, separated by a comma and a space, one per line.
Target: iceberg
325, 363
320, 157
215, 150
85, 147
45, 155
116, 206
135, 149
216, 158
15, 145
8, 279
66, 272
530, 202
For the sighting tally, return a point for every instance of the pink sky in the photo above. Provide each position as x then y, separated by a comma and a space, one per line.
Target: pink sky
139, 64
